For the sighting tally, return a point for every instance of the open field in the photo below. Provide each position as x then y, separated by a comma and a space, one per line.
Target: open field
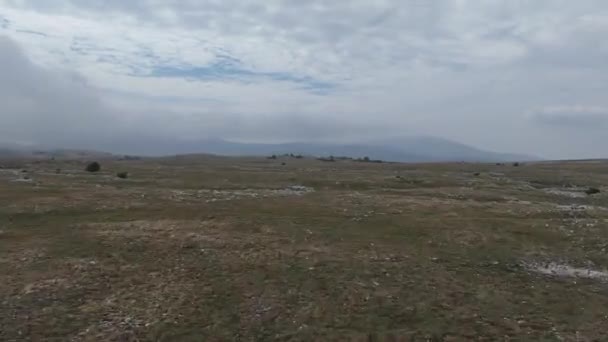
206, 248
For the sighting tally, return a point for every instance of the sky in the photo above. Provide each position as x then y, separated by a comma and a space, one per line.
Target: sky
511, 76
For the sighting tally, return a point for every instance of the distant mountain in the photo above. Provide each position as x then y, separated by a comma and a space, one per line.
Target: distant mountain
408, 149
438, 149
419, 149
8, 153
40, 153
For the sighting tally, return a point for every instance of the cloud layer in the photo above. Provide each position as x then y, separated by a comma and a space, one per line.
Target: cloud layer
495, 74
589, 117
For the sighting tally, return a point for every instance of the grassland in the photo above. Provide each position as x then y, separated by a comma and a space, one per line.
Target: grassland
212, 249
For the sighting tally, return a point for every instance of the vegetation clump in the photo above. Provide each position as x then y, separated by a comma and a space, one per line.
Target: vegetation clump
93, 167
366, 159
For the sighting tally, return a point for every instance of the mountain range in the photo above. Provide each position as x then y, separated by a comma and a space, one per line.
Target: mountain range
404, 149
411, 149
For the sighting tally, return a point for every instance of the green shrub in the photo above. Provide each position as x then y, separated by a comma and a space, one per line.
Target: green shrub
592, 191
93, 167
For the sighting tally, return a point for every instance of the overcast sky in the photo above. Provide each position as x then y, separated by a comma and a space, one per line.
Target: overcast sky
511, 76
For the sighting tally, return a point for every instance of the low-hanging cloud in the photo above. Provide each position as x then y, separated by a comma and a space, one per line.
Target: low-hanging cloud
41, 106
586, 116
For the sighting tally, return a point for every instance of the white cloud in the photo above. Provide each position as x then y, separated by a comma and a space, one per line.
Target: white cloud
459, 69
578, 115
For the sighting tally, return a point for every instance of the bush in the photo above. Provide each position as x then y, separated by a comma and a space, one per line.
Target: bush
330, 159
123, 175
93, 167
368, 160
592, 191
516, 164
272, 157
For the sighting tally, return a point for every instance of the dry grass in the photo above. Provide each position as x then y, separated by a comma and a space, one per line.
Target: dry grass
206, 248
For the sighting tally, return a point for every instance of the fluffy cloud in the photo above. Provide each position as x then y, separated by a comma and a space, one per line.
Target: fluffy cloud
59, 108
465, 70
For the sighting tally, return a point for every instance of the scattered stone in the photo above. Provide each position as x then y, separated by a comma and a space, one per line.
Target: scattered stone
574, 207
300, 188
562, 270
23, 180
572, 193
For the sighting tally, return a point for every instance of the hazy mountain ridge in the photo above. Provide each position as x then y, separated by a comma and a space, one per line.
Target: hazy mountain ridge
407, 149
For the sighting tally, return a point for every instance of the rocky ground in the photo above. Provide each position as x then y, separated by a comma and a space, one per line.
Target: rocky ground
208, 248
